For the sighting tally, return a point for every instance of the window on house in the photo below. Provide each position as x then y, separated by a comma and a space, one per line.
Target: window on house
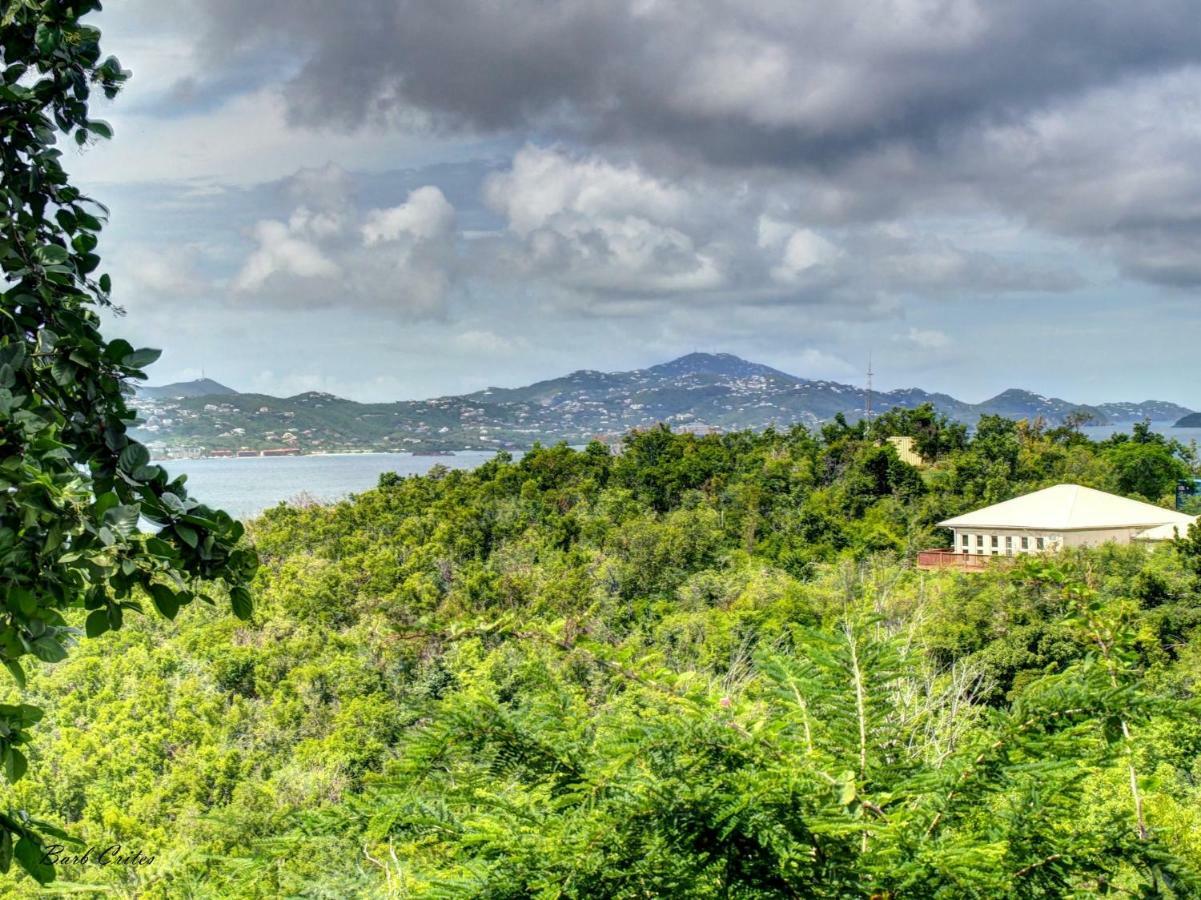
965, 540
1025, 543
1008, 545
1039, 543
994, 541
979, 540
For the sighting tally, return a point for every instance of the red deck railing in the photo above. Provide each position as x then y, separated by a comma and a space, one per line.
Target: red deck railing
948, 559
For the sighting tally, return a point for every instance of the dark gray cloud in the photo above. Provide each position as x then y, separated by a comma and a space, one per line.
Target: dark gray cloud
1072, 116
734, 80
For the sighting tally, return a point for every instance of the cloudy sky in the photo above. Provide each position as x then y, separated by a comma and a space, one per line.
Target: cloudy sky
389, 199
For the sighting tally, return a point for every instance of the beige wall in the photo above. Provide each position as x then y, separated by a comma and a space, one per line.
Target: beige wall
1052, 540
1093, 538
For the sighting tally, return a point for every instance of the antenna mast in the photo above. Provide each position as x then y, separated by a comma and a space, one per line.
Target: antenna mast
869, 389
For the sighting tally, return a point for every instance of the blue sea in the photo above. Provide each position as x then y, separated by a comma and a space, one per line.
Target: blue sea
245, 487
1184, 435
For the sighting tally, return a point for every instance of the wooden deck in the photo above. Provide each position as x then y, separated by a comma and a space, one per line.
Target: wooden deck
948, 559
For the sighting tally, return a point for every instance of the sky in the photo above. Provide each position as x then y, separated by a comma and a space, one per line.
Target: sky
395, 199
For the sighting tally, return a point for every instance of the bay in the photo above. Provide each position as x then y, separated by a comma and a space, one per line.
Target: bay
245, 487
1184, 435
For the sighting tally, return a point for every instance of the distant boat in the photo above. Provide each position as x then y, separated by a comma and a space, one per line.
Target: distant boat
433, 453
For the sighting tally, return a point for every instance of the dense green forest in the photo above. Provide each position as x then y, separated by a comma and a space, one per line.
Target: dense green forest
703, 667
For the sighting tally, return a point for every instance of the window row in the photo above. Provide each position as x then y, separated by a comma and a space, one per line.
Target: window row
1027, 543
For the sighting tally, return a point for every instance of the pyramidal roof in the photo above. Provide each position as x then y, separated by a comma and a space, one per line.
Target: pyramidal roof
1069, 507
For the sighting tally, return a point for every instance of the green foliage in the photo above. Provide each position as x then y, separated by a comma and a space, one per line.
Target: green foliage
934, 434
73, 486
838, 767
1149, 469
704, 667
1189, 546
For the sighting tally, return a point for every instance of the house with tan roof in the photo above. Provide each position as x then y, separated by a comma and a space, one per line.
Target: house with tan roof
1066, 515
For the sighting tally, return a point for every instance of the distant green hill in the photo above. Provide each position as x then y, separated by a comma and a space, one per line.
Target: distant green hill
1192, 420
201, 387
699, 392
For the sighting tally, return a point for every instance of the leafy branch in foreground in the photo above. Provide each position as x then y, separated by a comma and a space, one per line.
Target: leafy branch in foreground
73, 486
817, 777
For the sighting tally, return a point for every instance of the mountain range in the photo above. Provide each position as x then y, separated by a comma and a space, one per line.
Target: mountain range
700, 391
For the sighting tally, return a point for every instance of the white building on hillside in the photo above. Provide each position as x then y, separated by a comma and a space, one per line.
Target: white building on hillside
1066, 515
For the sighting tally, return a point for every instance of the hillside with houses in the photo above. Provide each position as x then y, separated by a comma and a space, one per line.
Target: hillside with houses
699, 392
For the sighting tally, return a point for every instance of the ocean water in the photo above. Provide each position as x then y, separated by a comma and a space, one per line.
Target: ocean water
246, 487
1184, 435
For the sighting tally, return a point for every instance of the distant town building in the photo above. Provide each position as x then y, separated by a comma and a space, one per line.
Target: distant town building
700, 429
1066, 515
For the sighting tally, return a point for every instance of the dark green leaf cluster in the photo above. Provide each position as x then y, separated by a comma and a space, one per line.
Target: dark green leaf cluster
73, 485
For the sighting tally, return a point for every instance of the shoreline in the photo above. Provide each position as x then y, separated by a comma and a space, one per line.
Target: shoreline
326, 454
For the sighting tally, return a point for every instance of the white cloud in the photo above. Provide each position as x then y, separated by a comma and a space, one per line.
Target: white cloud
158, 272
425, 215
401, 258
803, 251
596, 226
407, 256
925, 338
283, 249
543, 185
814, 363
478, 340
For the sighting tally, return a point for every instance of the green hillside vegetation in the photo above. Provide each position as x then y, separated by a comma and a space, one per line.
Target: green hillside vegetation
704, 668
318, 421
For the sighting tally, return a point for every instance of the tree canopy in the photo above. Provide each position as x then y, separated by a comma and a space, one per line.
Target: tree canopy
704, 666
